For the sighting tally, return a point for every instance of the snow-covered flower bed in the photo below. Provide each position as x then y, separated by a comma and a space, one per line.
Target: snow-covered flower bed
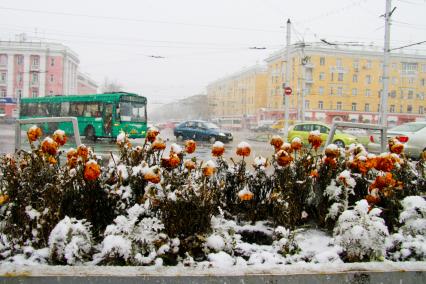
147, 209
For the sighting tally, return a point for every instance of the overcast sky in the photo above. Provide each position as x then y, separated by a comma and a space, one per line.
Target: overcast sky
201, 40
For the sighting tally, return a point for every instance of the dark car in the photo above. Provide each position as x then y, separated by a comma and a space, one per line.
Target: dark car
201, 130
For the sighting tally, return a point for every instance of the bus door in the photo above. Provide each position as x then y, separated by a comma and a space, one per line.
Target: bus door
107, 115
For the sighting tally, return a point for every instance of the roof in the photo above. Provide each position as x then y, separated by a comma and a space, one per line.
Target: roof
75, 98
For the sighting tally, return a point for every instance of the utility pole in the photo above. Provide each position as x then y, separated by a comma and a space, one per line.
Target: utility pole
287, 79
384, 97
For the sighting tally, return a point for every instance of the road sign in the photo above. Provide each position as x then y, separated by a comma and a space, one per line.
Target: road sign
287, 91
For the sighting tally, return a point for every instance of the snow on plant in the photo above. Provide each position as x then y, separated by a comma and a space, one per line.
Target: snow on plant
338, 192
284, 241
413, 216
361, 233
70, 241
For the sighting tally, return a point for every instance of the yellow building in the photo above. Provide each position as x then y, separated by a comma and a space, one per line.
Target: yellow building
239, 95
345, 84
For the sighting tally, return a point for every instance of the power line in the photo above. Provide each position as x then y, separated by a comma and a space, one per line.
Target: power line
133, 19
408, 45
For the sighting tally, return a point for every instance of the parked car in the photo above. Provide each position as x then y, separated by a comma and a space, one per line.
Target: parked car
201, 130
412, 134
302, 131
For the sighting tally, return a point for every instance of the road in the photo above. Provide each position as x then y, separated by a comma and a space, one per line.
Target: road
103, 147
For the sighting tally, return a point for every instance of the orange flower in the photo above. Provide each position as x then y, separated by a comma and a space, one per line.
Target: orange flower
83, 152
151, 134
315, 139
52, 160
189, 165
286, 147
60, 137
330, 161
209, 168
245, 195
314, 174
34, 133
296, 144
218, 149
190, 146
243, 149
72, 157
332, 151
397, 148
158, 144
383, 181
3, 199
153, 175
371, 162
384, 163
372, 199
49, 146
277, 142
165, 162
174, 160
91, 170
283, 158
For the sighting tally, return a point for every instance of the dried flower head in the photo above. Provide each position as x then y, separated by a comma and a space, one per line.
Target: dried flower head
218, 149
83, 152
91, 170
60, 137
243, 149
286, 147
383, 181
158, 144
190, 146
52, 160
277, 142
332, 151
315, 139
123, 140
314, 174
396, 148
296, 144
189, 165
209, 168
34, 133
49, 146
384, 163
245, 194
3, 199
153, 175
283, 158
174, 160
372, 199
151, 134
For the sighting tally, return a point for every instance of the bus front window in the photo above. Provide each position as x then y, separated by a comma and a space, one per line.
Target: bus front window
132, 111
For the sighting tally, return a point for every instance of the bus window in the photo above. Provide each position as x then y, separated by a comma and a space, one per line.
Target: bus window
54, 109
108, 108
42, 110
92, 110
76, 109
65, 108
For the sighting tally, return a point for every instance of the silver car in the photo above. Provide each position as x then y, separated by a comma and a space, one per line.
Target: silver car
411, 134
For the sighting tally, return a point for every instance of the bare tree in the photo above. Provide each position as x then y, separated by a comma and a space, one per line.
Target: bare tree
111, 86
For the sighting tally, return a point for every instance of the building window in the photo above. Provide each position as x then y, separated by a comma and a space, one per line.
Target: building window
339, 91
354, 92
411, 81
322, 60
321, 76
423, 82
392, 94
392, 108
3, 93
367, 107
19, 78
35, 78
367, 92
424, 68
52, 61
368, 64
19, 93
3, 59
353, 106
421, 109
339, 62
393, 65
368, 79
306, 104
339, 106
320, 104
410, 94
34, 93
35, 61
51, 78
354, 78
380, 79
3, 77
340, 77
331, 91
321, 90
409, 108
409, 68
355, 64
50, 93
332, 77
19, 59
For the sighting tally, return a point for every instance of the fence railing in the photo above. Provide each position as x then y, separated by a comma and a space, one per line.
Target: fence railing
19, 123
383, 131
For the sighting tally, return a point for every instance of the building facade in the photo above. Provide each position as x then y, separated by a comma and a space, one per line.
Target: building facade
331, 83
239, 95
38, 69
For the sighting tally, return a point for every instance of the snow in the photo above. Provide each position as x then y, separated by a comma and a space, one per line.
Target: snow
315, 133
48, 140
215, 242
59, 132
243, 144
346, 176
296, 140
218, 144
175, 148
260, 161
332, 147
121, 138
122, 171
221, 260
116, 245
31, 212
210, 164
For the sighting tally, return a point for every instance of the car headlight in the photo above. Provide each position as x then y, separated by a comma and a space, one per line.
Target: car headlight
222, 134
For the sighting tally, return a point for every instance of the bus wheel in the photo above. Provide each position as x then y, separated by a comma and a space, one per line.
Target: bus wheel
339, 143
90, 133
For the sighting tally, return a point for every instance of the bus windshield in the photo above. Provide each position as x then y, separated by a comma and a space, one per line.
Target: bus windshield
132, 111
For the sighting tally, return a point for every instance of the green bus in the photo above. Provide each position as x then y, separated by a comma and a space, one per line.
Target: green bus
98, 115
